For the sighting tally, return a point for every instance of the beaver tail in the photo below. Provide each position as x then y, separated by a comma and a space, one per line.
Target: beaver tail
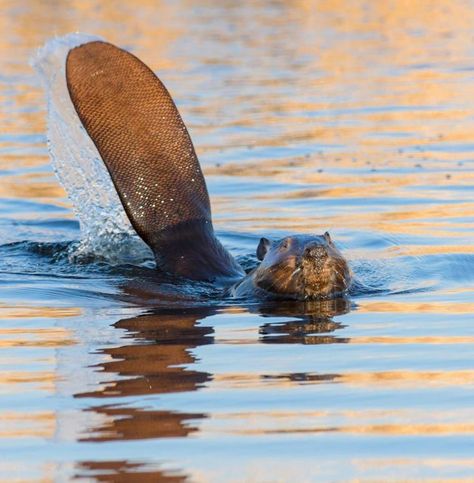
137, 129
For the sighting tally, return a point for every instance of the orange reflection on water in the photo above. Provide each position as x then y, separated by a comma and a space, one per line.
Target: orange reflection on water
27, 311
27, 424
412, 340
42, 337
418, 251
382, 429
387, 379
15, 382
27, 373
407, 378
418, 307
396, 422
31, 188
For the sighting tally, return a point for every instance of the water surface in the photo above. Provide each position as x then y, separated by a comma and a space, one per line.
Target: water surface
353, 117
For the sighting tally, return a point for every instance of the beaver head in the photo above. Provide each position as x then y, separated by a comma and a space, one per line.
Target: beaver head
302, 267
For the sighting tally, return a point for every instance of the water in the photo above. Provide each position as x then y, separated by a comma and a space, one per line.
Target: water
353, 117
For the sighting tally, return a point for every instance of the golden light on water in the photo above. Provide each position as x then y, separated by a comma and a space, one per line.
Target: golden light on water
27, 311
43, 337
418, 307
27, 425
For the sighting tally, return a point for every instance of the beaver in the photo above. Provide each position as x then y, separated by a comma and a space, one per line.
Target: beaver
300, 267
142, 140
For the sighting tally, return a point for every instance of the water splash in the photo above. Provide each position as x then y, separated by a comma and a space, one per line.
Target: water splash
105, 228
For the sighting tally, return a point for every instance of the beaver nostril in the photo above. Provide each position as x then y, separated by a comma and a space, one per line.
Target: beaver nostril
315, 251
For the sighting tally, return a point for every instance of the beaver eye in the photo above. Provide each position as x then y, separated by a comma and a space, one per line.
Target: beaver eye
284, 244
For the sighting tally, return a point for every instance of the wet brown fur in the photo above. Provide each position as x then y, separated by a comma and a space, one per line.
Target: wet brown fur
300, 267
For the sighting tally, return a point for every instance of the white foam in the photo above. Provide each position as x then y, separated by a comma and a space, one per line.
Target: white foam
105, 229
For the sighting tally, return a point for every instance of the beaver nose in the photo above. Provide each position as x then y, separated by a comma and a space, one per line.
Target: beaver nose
314, 250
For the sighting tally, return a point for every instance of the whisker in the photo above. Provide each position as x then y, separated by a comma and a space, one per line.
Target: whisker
295, 272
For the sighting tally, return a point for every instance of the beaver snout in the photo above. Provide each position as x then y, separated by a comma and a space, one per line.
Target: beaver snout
315, 251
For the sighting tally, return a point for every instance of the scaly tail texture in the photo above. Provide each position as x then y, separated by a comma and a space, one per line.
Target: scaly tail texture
134, 123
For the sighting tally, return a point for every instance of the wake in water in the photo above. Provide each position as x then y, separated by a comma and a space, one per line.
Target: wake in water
106, 231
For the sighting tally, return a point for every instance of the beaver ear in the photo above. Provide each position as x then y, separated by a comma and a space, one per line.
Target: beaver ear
327, 237
263, 247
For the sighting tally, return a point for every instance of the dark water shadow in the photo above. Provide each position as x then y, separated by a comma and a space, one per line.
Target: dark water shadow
157, 356
311, 322
157, 347
123, 471
153, 360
